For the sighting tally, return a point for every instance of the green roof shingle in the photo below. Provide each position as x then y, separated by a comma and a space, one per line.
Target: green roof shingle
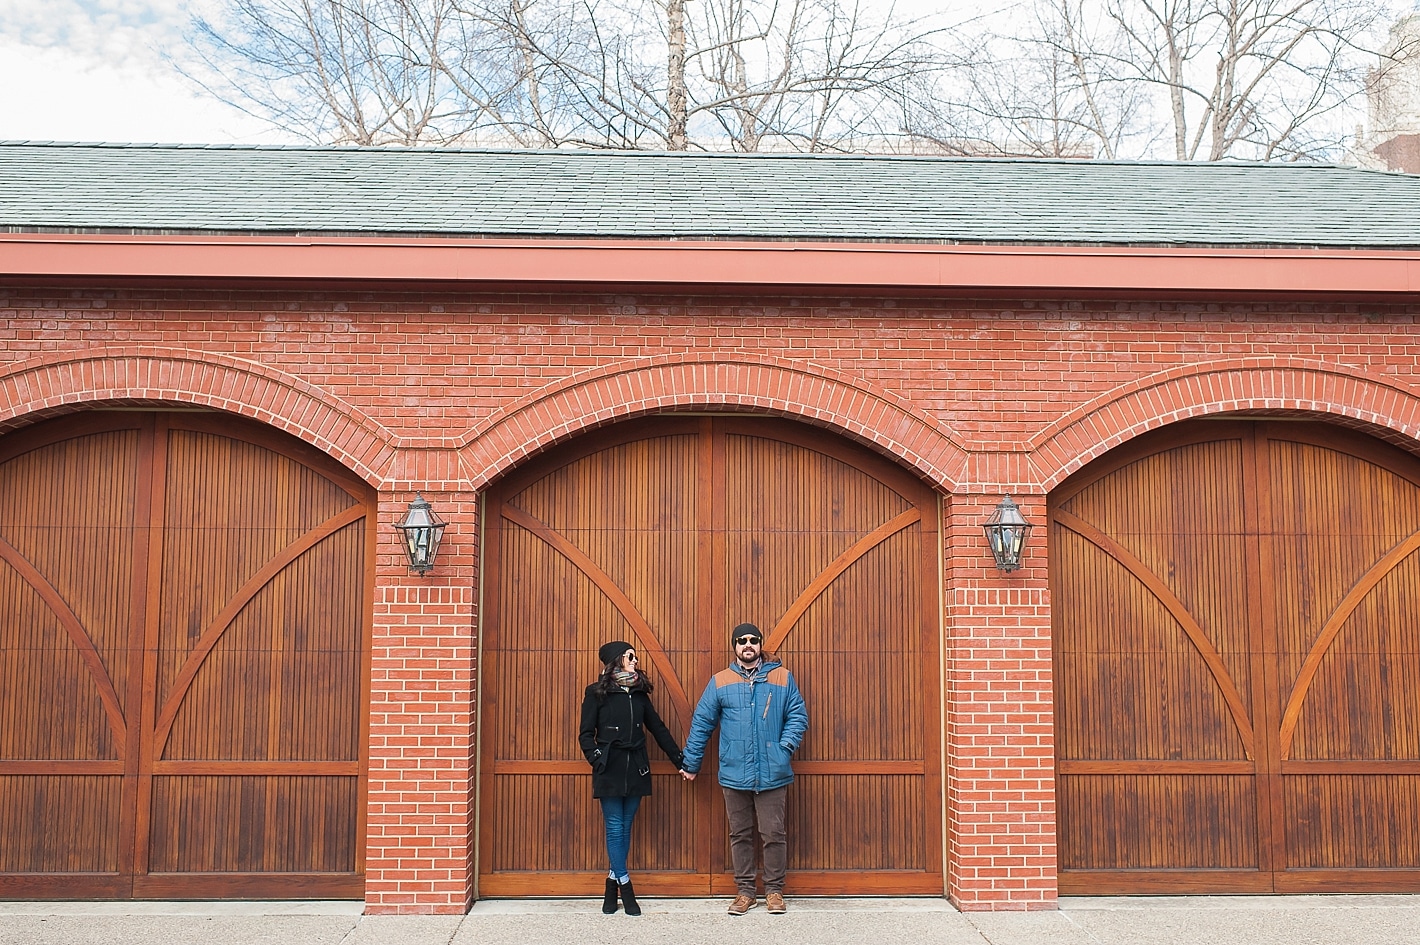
574, 194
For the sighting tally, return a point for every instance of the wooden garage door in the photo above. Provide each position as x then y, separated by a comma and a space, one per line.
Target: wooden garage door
666, 534
1237, 617
183, 624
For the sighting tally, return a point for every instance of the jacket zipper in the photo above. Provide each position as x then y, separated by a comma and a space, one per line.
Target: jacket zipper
631, 717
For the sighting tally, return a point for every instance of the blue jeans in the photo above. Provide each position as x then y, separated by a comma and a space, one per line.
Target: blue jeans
618, 814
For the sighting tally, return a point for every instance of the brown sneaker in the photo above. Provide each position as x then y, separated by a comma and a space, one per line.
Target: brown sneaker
743, 904
775, 902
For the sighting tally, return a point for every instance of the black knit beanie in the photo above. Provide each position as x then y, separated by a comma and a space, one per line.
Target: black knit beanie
745, 630
610, 652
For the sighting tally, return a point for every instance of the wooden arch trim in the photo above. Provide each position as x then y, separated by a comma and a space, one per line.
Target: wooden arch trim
183, 683
828, 575
1211, 658
89, 653
1291, 715
618, 599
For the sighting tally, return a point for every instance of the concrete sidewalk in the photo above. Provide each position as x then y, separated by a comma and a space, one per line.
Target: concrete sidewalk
1290, 920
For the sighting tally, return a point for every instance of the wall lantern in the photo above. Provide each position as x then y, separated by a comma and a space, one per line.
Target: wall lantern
423, 530
1006, 533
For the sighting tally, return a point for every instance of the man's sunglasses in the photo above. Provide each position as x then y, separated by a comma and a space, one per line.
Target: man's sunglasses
745, 641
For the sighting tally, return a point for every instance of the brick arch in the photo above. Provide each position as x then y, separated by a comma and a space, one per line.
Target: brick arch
1276, 385
47, 386
766, 385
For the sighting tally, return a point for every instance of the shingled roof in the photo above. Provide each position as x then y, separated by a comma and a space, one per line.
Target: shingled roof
623, 195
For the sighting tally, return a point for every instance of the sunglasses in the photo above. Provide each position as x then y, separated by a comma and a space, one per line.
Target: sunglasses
745, 641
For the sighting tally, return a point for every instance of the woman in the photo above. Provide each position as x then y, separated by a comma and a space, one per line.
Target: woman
615, 711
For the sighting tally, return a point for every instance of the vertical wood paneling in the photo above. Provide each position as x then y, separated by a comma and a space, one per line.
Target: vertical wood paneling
229, 825
281, 683
540, 804
1327, 507
1364, 703
1153, 822
59, 824
790, 512
1129, 683
1335, 515
231, 507
66, 498
859, 823
1350, 822
48, 698
81, 487
630, 509
140, 580
702, 524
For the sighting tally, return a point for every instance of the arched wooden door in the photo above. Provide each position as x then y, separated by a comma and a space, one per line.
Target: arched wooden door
1237, 616
184, 617
667, 533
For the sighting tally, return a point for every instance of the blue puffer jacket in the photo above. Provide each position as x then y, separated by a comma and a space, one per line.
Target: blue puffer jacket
762, 719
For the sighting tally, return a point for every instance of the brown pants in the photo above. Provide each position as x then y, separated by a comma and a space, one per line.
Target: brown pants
744, 809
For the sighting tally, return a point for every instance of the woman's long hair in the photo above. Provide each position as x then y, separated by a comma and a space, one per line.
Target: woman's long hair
607, 681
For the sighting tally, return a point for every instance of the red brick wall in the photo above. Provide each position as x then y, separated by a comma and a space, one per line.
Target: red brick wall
423, 689
1000, 780
441, 392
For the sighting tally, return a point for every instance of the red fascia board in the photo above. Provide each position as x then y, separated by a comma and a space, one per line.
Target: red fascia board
728, 265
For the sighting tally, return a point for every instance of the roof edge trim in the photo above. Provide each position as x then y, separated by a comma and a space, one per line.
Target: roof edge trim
729, 264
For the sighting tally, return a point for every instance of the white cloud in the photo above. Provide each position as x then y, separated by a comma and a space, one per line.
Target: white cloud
93, 70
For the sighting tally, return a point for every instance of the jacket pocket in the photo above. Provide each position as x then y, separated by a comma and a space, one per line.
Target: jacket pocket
780, 767
735, 763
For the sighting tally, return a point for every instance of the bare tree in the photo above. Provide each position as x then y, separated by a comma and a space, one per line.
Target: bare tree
1189, 79
1045, 91
742, 75
1258, 78
809, 75
739, 75
348, 71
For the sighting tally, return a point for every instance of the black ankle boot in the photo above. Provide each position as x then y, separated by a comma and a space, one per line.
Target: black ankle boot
628, 899
609, 900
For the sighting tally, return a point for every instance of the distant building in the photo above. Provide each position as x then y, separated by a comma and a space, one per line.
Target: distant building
1391, 138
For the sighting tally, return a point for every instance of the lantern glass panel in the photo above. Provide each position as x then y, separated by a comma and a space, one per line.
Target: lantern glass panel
423, 530
1006, 533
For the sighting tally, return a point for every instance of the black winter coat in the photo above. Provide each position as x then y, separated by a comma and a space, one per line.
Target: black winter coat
613, 740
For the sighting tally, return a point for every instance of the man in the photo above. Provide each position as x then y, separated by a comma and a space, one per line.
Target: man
762, 720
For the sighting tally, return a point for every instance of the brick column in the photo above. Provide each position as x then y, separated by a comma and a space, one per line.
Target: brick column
420, 811
1000, 787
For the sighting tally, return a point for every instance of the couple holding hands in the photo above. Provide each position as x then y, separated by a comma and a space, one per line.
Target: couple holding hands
762, 720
